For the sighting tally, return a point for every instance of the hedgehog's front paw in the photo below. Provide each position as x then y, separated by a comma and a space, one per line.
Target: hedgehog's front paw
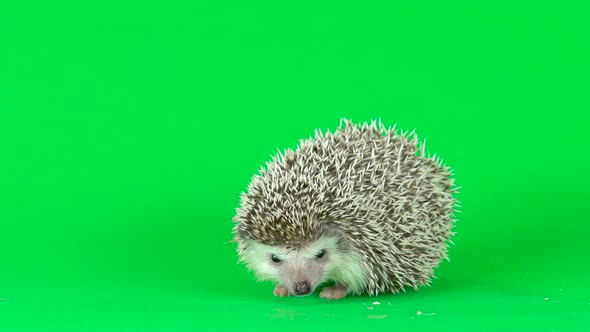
281, 291
335, 292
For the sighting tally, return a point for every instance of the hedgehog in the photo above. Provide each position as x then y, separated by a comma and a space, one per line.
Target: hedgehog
362, 210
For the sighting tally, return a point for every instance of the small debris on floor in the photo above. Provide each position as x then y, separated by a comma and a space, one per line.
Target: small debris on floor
376, 303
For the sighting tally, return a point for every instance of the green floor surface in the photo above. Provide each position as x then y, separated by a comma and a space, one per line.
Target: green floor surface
460, 307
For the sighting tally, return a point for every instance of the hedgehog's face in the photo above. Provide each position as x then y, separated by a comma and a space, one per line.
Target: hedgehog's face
300, 270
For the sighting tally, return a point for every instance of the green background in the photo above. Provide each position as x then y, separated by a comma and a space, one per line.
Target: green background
128, 130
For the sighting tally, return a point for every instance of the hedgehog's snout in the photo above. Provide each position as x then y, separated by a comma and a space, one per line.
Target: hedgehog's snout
302, 288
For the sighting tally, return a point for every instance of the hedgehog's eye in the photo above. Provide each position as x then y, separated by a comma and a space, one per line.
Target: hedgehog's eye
275, 259
320, 254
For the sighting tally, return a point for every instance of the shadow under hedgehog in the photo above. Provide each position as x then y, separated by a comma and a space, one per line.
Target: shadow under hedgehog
362, 207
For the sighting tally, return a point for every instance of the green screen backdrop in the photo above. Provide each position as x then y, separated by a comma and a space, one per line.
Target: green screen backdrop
129, 129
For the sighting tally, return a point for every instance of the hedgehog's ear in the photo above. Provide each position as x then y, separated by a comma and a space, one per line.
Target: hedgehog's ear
241, 231
330, 229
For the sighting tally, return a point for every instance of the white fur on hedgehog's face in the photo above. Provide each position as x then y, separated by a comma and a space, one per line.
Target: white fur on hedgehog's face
301, 270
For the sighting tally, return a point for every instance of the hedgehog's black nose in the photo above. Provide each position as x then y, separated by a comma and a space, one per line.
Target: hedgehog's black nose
302, 288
